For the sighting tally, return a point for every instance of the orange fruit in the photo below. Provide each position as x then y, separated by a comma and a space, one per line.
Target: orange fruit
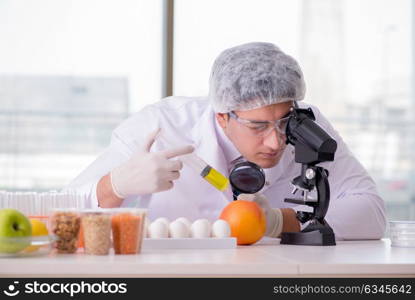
38, 229
246, 220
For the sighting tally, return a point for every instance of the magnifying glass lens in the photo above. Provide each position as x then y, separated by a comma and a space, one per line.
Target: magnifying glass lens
247, 178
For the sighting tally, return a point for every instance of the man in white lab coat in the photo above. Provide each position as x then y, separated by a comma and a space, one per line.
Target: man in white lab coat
252, 88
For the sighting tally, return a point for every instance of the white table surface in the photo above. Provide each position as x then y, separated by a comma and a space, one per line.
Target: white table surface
265, 259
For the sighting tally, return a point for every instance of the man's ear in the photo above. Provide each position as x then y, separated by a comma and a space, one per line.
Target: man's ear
222, 119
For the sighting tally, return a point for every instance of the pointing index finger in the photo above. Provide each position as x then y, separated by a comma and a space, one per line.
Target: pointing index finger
170, 153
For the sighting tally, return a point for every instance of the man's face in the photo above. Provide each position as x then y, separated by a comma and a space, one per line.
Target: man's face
263, 149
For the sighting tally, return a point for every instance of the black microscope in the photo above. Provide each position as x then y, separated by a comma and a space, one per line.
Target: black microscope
312, 146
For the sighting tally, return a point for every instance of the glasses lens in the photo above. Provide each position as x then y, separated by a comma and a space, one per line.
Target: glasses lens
262, 128
282, 125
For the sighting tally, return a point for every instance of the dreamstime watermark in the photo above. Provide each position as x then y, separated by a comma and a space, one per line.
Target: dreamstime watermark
70, 289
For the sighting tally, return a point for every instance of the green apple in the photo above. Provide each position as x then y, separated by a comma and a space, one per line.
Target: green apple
13, 224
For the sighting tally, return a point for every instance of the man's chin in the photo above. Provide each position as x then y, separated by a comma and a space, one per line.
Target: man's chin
267, 163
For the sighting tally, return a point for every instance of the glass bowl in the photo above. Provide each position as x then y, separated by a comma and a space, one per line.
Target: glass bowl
26, 246
402, 233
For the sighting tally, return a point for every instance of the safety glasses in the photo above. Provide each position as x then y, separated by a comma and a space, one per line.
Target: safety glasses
263, 128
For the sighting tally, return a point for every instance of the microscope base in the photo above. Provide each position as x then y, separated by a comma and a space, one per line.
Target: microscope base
310, 238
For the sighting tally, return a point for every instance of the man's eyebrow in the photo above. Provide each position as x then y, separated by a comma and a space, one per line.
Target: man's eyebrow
266, 121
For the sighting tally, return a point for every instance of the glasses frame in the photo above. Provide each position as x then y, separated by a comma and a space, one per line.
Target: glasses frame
270, 124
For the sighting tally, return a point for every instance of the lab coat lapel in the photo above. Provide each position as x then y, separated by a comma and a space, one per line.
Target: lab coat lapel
207, 147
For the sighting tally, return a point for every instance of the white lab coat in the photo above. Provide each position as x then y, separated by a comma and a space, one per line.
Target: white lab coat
356, 211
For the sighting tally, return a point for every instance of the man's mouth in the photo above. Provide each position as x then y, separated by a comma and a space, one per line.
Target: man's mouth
269, 154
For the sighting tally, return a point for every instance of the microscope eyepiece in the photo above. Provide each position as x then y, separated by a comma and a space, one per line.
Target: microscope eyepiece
312, 143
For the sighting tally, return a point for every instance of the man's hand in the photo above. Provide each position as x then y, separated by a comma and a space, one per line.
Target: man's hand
148, 172
277, 219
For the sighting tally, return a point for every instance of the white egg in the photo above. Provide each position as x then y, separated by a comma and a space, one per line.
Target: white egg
185, 221
221, 229
158, 229
200, 228
178, 229
165, 220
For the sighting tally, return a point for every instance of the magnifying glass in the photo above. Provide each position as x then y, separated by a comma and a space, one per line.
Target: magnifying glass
246, 178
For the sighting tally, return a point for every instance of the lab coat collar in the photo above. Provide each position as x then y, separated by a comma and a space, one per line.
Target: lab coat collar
206, 144
229, 150
205, 141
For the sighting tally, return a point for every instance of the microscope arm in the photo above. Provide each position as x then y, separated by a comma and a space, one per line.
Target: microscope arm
323, 194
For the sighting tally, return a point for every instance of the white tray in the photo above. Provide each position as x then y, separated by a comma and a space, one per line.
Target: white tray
189, 243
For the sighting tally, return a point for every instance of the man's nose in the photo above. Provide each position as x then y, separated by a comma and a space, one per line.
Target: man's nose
273, 140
